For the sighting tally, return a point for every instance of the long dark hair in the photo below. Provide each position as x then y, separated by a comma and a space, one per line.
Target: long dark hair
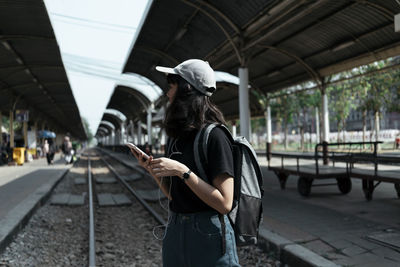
190, 110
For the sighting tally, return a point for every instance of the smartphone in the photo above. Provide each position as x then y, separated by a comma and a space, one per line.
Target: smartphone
137, 151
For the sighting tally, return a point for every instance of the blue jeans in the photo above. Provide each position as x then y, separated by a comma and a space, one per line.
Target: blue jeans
195, 239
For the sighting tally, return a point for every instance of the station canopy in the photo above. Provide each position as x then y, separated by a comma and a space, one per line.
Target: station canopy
113, 119
282, 43
32, 75
129, 101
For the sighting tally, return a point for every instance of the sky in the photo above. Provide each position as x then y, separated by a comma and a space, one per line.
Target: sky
94, 37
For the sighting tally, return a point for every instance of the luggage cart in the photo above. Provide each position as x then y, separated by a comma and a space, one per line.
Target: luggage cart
314, 170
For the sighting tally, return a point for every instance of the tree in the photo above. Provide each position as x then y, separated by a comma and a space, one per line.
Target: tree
342, 102
87, 130
378, 86
285, 112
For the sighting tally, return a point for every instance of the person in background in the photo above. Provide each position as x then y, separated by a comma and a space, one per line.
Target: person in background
147, 149
157, 146
46, 150
67, 150
52, 151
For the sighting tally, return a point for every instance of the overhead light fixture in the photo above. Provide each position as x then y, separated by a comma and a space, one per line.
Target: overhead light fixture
6, 45
343, 45
272, 74
397, 23
27, 71
19, 60
180, 33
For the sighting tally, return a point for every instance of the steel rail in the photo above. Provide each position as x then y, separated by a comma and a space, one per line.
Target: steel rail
92, 249
130, 189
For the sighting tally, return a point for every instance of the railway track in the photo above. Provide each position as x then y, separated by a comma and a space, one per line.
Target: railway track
95, 235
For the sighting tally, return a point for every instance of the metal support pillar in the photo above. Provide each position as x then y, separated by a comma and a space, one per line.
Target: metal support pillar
149, 128
130, 132
35, 125
25, 131
139, 133
11, 129
112, 137
269, 130
122, 132
326, 126
244, 109
1, 129
317, 132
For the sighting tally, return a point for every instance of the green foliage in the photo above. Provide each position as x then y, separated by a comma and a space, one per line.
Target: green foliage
87, 129
341, 100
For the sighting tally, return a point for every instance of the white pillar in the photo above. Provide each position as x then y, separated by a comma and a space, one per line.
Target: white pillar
377, 126
1, 126
234, 130
325, 116
123, 133
163, 140
244, 109
11, 118
149, 129
139, 133
317, 125
269, 124
131, 132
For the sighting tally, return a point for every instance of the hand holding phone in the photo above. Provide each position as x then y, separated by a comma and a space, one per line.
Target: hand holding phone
137, 151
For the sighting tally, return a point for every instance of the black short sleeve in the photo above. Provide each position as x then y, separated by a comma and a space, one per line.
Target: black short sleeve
220, 158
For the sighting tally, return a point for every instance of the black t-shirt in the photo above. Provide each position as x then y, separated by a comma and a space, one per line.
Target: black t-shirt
220, 160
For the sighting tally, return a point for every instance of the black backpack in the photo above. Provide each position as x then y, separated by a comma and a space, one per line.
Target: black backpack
246, 213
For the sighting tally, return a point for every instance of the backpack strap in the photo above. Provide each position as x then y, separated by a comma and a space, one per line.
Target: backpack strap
200, 150
201, 161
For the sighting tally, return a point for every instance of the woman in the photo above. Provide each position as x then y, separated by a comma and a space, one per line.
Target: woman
198, 209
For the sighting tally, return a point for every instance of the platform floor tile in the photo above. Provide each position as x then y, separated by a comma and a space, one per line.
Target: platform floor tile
106, 180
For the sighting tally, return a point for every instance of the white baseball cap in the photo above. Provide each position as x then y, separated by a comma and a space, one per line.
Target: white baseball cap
196, 72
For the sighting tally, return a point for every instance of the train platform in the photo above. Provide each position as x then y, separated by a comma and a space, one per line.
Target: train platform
22, 190
327, 228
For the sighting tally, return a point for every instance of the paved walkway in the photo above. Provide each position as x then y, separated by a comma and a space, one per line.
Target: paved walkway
22, 188
333, 225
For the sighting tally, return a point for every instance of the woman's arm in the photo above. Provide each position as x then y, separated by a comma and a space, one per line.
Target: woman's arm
219, 195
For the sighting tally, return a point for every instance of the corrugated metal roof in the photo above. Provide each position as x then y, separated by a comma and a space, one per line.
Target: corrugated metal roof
32, 74
278, 38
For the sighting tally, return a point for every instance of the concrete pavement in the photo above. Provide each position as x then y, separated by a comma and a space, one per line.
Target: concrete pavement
23, 189
335, 226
